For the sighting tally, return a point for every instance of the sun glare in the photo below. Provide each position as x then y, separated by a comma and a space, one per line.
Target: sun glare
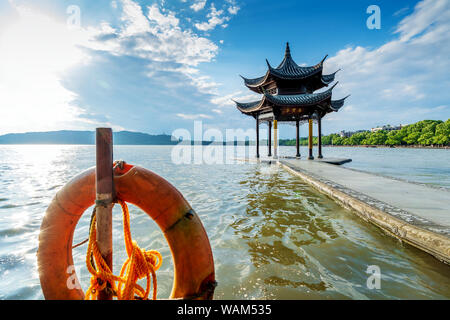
38, 51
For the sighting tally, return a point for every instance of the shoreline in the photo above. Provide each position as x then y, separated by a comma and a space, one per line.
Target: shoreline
206, 143
389, 147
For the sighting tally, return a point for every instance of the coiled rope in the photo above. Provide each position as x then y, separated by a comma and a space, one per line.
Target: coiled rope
139, 264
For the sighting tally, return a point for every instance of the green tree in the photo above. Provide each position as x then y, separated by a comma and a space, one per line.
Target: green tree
394, 138
377, 138
357, 138
428, 132
442, 133
338, 140
412, 137
426, 138
424, 132
326, 140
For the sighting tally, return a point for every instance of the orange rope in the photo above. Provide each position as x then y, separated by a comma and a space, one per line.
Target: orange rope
139, 264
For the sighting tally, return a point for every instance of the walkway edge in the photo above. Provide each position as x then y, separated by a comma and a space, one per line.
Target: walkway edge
430, 242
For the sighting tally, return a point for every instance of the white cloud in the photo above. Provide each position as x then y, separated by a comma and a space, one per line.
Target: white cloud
426, 13
426, 110
157, 36
193, 116
164, 21
198, 5
233, 9
227, 100
135, 22
215, 19
205, 84
400, 11
403, 77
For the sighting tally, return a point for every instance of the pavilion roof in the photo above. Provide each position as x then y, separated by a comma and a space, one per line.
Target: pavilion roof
337, 104
297, 100
290, 70
328, 78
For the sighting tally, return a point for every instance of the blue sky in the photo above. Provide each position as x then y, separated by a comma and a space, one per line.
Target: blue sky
156, 66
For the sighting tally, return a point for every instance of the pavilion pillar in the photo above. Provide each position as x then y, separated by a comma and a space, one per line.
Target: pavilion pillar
297, 125
275, 139
257, 136
270, 139
319, 137
310, 139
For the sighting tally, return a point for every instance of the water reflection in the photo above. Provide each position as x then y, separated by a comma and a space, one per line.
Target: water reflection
284, 282
278, 222
301, 245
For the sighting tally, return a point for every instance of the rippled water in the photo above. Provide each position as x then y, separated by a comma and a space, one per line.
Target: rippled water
272, 236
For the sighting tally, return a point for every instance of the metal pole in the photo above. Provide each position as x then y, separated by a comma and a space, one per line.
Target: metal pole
297, 125
104, 196
257, 136
275, 139
319, 138
310, 140
270, 139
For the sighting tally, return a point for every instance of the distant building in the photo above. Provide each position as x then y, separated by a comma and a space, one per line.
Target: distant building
346, 134
387, 128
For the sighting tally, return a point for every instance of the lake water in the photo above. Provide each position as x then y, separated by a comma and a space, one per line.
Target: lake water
429, 166
273, 237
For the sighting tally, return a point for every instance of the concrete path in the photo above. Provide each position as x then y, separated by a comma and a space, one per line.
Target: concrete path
336, 161
426, 202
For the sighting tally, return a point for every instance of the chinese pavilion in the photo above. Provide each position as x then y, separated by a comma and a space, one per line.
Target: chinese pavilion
288, 96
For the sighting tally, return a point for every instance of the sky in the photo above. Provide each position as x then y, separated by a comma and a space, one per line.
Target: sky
158, 66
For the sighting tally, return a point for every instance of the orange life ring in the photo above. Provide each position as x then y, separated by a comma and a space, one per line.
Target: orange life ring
188, 241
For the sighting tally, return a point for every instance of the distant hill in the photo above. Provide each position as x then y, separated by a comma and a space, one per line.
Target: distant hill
85, 137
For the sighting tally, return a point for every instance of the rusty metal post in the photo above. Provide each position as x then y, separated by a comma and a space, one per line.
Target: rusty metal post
297, 136
257, 136
270, 139
104, 196
310, 139
275, 139
319, 137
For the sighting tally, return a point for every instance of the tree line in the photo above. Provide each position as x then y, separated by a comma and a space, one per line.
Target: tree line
424, 133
